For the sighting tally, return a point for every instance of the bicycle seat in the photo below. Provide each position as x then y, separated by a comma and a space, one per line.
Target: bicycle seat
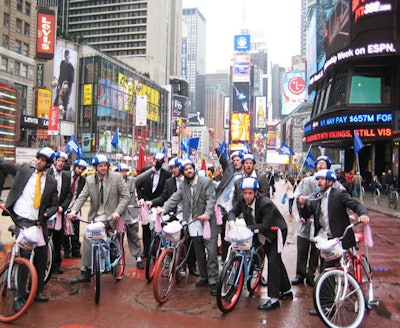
359, 237
12, 229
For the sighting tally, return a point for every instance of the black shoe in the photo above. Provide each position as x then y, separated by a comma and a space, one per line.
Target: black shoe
84, 276
58, 270
202, 283
310, 282
67, 255
76, 255
213, 289
18, 304
41, 298
268, 305
297, 280
312, 312
286, 295
139, 265
263, 282
194, 272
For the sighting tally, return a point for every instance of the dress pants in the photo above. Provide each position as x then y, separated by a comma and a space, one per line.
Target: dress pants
208, 264
306, 252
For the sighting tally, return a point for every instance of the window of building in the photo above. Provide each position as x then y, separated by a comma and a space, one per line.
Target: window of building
25, 49
17, 48
6, 40
17, 67
4, 64
18, 25
27, 8
6, 20
19, 5
24, 70
338, 90
27, 28
370, 88
6, 2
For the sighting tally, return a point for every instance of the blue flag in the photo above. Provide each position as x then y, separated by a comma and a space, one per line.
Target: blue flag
163, 148
194, 143
115, 139
183, 147
358, 144
285, 150
246, 149
309, 161
222, 149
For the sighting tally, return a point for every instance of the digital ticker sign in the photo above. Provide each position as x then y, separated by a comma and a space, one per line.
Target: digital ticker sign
334, 126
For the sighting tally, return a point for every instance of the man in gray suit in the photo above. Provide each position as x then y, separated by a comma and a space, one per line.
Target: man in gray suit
197, 195
109, 197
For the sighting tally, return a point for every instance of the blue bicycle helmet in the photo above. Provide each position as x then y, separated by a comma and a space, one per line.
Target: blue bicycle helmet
121, 167
325, 174
248, 156
61, 154
324, 158
81, 162
186, 162
100, 159
47, 153
249, 183
237, 153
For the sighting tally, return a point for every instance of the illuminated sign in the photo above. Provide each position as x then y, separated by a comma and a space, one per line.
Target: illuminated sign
361, 8
242, 42
372, 133
46, 27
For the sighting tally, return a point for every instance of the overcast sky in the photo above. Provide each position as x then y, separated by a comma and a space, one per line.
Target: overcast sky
276, 22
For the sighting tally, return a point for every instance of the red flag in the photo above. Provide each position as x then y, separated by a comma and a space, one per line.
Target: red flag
141, 162
203, 165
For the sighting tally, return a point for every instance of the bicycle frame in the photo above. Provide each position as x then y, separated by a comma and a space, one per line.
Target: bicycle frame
246, 261
104, 248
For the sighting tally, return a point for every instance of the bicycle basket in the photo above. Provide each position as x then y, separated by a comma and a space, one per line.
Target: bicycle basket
28, 238
242, 244
331, 250
172, 231
96, 230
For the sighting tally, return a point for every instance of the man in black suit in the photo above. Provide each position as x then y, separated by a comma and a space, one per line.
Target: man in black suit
33, 198
64, 198
152, 187
172, 185
260, 214
71, 243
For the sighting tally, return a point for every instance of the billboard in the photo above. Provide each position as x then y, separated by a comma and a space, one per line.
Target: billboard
240, 95
64, 95
241, 42
181, 106
293, 91
241, 68
261, 111
46, 32
227, 112
240, 127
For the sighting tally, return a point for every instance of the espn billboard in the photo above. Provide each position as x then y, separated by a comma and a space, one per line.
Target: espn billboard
46, 31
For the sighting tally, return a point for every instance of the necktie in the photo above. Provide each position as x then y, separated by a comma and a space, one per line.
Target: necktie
73, 187
194, 204
250, 215
101, 192
36, 198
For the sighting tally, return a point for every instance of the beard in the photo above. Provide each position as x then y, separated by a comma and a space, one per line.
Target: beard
158, 165
189, 179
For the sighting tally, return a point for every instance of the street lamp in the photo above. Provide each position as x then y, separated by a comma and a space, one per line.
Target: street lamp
133, 87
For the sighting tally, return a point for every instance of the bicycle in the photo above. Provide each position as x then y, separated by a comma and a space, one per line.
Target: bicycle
171, 264
18, 277
377, 196
393, 197
244, 265
107, 254
343, 293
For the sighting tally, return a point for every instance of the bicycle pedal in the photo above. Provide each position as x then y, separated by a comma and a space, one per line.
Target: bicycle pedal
373, 303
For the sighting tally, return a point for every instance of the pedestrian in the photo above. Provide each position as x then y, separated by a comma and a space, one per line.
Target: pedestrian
64, 198
33, 199
197, 195
171, 186
260, 214
150, 188
109, 198
271, 180
71, 243
288, 189
130, 216
330, 212
357, 181
375, 184
224, 192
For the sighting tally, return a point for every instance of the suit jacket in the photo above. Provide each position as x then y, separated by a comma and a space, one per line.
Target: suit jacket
262, 181
229, 171
169, 189
266, 216
145, 187
338, 203
49, 199
116, 195
205, 192
81, 183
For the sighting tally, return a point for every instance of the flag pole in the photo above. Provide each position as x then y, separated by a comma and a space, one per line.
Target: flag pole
302, 165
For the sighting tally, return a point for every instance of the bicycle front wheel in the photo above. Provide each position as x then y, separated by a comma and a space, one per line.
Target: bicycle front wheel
119, 269
230, 284
152, 256
338, 306
164, 275
256, 270
21, 291
366, 280
49, 261
377, 196
96, 274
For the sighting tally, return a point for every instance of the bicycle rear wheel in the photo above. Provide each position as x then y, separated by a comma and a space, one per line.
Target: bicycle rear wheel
230, 284
336, 306
164, 275
181, 267
366, 281
20, 289
49, 261
96, 274
377, 196
119, 269
152, 257
256, 270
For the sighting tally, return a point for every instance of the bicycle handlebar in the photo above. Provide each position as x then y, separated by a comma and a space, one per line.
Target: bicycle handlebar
10, 214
